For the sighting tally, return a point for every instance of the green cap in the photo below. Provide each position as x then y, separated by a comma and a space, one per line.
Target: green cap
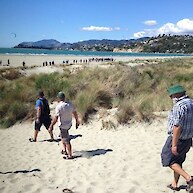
61, 95
175, 89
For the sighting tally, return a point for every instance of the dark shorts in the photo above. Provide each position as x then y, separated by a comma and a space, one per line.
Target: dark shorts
65, 135
46, 121
168, 158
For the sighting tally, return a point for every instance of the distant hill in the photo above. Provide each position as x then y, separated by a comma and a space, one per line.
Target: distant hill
160, 44
93, 45
169, 44
46, 44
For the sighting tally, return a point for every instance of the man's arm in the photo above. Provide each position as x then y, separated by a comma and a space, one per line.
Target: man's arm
76, 118
175, 138
38, 114
51, 127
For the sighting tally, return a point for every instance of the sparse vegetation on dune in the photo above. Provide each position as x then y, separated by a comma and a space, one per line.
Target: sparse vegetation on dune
137, 92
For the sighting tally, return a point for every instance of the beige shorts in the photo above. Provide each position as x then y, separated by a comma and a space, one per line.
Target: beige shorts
65, 135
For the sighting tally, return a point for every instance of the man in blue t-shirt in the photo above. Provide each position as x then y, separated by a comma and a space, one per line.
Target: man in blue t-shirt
42, 116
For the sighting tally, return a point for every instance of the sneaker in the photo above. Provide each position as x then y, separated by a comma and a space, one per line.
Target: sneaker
190, 184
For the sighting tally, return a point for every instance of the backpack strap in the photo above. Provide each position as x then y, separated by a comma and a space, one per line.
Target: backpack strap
45, 110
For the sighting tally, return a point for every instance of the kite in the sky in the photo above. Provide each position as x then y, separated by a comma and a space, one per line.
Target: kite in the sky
14, 34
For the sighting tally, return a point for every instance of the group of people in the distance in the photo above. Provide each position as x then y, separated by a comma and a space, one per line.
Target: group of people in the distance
64, 112
178, 143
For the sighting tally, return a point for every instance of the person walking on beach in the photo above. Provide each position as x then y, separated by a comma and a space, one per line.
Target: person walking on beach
42, 116
64, 111
179, 141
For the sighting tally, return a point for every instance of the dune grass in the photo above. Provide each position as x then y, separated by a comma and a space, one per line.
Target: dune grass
137, 91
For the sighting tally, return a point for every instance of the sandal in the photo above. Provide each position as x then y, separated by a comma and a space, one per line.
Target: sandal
64, 152
68, 158
32, 140
190, 184
173, 188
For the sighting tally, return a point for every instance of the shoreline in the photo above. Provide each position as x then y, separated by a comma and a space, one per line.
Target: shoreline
15, 60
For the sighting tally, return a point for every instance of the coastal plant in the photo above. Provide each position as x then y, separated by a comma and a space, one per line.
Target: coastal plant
137, 92
18, 110
49, 83
7, 122
4, 107
84, 103
10, 74
136, 108
10, 114
184, 77
92, 97
16, 98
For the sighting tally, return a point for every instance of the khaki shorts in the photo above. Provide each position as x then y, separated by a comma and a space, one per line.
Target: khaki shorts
65, 135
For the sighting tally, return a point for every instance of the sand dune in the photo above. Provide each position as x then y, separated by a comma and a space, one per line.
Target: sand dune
123, 160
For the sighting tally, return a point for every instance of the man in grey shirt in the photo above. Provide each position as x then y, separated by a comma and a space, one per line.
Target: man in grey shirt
63, 114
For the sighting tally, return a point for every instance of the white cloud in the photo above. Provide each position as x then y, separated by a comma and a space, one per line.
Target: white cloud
98, 28
150, 22
184, 26
139, 34
117, 28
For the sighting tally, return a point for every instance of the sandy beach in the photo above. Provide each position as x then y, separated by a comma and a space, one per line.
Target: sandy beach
38, 60
125, 66
125, 159
35, 64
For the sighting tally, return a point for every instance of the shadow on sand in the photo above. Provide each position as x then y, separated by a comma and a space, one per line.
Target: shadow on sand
59, 139
21, 171
75, 136
92, 153
182, 187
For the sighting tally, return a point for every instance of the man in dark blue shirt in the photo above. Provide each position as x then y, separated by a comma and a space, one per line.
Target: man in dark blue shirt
42, 116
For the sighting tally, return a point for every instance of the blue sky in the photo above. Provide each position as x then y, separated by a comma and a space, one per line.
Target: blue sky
77, 20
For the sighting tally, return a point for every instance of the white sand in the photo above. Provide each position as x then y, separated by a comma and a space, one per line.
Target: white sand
125, 160
34, 63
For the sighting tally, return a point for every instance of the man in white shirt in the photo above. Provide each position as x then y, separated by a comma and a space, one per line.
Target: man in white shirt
63, 113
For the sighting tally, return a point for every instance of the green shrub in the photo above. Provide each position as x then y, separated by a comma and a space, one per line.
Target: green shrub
85, 105
7, 122
18, 110
10, 74
183, 77
137, 91
138, 108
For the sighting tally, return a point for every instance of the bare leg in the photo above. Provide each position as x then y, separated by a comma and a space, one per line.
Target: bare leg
179, 171
51, 134
35, 135
64, 146
176, 179
69, 149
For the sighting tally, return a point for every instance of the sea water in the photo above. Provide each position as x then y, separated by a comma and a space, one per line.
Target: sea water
26, 51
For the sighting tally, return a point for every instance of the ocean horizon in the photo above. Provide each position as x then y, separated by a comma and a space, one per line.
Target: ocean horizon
31, 51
